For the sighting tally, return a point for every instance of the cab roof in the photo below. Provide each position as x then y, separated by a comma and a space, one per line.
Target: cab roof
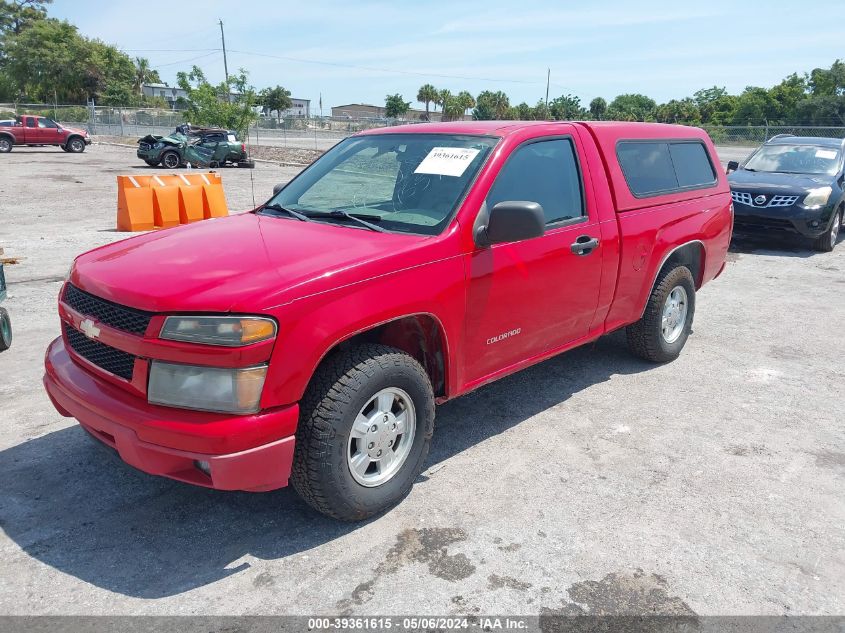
618, 129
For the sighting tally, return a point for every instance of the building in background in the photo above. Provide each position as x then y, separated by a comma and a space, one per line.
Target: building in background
366, 111
299, 107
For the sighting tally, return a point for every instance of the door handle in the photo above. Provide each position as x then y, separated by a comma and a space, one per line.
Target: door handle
584, 245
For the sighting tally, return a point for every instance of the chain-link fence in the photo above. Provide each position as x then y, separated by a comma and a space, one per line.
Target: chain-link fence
751, 135
321, 132
315, 133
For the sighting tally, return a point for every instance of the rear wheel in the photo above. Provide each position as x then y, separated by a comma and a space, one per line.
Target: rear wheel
661, 333
5, 145
5, 330
365, 427
170, 160
75, 145
827, 242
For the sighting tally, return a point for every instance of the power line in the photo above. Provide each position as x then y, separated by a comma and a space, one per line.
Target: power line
185, 61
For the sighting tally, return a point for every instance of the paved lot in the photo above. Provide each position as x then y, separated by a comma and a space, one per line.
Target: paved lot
592, 482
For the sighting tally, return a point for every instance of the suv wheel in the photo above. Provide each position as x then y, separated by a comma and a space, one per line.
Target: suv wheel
5, 145
365, 427
827, 242
170, 160
5, 330
75, 145
661, 333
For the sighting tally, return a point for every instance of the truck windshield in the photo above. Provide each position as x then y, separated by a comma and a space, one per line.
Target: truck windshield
405, 182
795, 159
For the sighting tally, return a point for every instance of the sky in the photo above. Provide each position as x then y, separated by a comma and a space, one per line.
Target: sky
359, 51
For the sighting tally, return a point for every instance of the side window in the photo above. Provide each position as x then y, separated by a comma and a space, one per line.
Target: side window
692, 165
660, 167
46, 123
545, 172
30, 122
647, 167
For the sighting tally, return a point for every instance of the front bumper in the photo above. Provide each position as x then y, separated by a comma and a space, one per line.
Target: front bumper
796, 220
169, 442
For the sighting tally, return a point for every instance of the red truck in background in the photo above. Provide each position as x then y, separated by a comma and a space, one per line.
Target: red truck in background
30, 129
310, 339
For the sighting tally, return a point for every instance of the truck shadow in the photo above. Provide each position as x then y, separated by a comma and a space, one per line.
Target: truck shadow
70, 503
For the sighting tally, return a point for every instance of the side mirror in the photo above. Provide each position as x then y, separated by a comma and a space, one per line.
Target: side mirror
732, 166
512, 221
278, 188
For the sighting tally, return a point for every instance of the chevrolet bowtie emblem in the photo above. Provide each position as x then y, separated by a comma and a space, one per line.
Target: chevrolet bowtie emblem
89, 329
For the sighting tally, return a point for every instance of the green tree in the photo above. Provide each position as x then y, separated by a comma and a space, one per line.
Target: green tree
427, 94
631, 107
211, 105
17, 15
395, 106
683, 111
275, 100
567, 108
143, 74
491, 106
821, 110
827, 82
598, 108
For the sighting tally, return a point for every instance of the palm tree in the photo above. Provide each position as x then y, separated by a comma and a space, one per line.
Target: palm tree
466, 100
143, 73
427, 94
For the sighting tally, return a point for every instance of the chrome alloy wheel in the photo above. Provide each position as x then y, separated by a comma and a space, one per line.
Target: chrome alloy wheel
381, 437
834, 229
674, 314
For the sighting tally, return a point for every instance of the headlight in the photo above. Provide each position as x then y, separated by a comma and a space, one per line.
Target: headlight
158, 145
223, 330
817, 197
206, 388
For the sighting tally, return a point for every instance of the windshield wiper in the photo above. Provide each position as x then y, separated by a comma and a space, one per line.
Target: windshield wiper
290, 212
355, 217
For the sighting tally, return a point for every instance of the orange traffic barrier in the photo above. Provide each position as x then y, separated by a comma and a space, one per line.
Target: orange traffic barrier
162, 201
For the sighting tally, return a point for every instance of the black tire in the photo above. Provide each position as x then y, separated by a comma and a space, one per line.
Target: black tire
75, 145
827, 242
339, 390
645, 337
171, 160
6, 144
5, 330
64, 148
152, 163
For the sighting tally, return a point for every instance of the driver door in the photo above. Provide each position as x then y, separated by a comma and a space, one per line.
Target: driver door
529, 297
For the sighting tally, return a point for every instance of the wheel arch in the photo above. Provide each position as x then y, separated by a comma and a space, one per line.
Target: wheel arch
420, 335
691, 254
9, 136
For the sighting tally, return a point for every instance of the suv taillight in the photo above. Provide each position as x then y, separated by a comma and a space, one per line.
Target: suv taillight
243, 148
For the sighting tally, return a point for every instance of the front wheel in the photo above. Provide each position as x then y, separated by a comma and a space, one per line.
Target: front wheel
365, 427
5, 330
827, 242
661, 333
5, 145
75, 145
170, 160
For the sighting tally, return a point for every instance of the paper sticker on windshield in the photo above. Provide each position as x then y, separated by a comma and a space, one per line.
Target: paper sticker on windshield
447, 161
826, 153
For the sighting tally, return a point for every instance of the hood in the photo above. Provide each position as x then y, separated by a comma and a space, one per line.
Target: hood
776, 183
240, 263
174, 139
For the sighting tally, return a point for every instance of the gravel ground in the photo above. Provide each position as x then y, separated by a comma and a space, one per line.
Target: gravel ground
590, 483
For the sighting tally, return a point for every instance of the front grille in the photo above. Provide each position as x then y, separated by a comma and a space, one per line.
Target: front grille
750, 221
743, 197
111, 314
104, 356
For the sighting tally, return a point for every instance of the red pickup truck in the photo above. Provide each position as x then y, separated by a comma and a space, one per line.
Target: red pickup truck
309, 339
30, 129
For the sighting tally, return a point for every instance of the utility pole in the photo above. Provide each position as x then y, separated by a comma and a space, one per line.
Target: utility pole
225, 64
548, 77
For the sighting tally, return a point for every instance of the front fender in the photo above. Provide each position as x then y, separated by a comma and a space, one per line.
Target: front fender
310, 327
